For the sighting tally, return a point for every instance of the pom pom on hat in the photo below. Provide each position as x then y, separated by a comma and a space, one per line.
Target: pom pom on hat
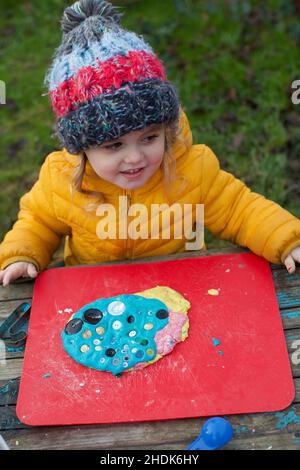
81, 10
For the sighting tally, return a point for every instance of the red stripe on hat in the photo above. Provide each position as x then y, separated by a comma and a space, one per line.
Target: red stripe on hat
105, 77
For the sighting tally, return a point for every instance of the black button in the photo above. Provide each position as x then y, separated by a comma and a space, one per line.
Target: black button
110, 352
92, 316
130, 319
73, 326
162, 314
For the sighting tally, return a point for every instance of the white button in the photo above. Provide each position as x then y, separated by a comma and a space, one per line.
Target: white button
117, 325
132, 333
116, 308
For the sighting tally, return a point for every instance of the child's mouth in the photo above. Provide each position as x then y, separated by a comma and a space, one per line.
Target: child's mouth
131, 174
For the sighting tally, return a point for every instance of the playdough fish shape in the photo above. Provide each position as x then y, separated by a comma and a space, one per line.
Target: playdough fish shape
127, 332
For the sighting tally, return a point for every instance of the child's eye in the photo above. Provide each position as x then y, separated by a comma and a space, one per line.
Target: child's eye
112, 146
152, 137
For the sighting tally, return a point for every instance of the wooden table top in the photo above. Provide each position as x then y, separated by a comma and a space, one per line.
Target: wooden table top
270, 431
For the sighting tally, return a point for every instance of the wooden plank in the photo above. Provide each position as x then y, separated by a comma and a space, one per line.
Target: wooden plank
9, 390
283, 279
16, 291
290, 318
11, 368
288, 298
14, 353
297, 388
9, 420
278, 430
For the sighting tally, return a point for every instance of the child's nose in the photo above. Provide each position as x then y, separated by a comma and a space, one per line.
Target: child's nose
134, 156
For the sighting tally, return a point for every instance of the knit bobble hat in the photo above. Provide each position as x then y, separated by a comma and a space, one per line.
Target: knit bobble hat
105, 81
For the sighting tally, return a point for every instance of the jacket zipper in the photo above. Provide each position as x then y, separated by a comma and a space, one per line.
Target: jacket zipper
128, 244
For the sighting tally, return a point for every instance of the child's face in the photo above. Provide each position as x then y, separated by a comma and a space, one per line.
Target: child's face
141, 150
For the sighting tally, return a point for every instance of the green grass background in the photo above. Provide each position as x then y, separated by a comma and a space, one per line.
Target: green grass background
232, 61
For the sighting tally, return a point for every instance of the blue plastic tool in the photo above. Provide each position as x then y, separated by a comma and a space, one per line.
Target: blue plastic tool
215, 434
13, 331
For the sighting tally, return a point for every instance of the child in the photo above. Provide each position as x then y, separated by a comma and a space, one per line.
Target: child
124, 134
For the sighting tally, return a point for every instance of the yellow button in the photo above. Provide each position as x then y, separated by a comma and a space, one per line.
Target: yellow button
150, 352
84, 348
148, 326
86, 334
100, 330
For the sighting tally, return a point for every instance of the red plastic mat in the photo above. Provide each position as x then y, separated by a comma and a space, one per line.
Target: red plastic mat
234, 361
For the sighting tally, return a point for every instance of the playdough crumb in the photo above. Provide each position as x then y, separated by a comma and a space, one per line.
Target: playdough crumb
216, 342
213, 292
46, 376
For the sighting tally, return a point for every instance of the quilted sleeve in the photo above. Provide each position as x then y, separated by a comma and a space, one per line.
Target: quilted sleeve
233, 212
37, 232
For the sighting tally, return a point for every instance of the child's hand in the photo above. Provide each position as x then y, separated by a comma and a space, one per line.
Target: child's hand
15, 270
293, 256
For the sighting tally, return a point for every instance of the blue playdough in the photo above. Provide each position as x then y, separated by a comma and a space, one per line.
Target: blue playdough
115, 333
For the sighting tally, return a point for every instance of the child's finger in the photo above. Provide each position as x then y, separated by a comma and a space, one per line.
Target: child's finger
6, 279
290, 264
11, 273
31, 270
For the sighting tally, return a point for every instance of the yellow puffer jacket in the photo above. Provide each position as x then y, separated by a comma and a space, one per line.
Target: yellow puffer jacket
51, 210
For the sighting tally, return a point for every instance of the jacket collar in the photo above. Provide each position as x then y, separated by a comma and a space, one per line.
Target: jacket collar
92, 182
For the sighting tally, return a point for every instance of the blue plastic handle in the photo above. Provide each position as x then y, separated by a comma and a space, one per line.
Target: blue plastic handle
215, 434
